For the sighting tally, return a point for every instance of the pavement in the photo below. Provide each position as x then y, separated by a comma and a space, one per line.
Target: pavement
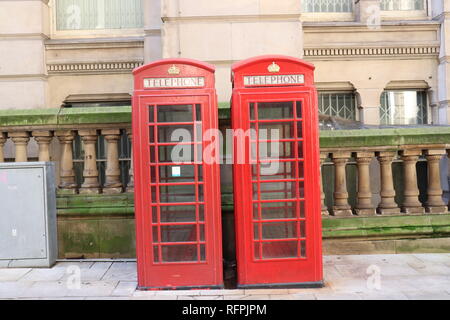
353, 277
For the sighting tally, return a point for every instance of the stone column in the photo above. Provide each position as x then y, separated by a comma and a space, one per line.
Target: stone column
67, 184
113, 184
91, 183
3, 138
411, 203
434, 204
325, 212
364, 206
341, 206
43, 139
20, 140
387, 206
130, 186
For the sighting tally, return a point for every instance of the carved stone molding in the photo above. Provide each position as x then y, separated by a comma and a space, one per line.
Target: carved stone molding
96, 67
371, 52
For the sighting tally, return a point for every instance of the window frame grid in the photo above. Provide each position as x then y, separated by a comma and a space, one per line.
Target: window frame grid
89, 33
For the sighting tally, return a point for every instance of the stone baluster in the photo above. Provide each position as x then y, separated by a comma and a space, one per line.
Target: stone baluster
91, 183
43, 139
411, 203
130, 186
3, 138
20, 140
364, 205
387, 206
112, 172
325, 212
434, 204
67, 183
341, 206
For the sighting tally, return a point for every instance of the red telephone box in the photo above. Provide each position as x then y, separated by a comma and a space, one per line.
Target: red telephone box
276, 173
177, 193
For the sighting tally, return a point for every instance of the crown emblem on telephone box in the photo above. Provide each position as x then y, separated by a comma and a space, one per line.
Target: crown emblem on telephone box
174, 70
274, 68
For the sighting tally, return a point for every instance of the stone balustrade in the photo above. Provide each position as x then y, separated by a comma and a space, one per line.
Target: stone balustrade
370, 152
63, 126
373, 152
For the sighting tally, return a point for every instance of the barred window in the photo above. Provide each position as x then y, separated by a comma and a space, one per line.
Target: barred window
98, 14
338, 104
408, 107
327, 5
402, 5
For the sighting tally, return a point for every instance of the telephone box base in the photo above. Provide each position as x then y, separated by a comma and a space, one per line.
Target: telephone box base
303, 285
214, 287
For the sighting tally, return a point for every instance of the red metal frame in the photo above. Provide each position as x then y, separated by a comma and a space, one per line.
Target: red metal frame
176, 249
285, 250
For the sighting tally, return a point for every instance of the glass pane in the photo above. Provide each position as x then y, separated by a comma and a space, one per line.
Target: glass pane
154, 214
177, 133
402, 5
278, 190
156, 254
328, 5
303, 249
338, 104
275, 170
252, 111
174, 174
280, 250
178, 214
184, 233
202, 252
299, 110
275, 110
179, 253
175, 113
277, 150
257, 254
151, 114
198, 112
176, 153
279, 210
276, 131
404, 108
100, 14
174, 194
279, 230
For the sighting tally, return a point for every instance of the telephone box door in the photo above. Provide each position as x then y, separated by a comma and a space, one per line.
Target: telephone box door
277, 193
178, 218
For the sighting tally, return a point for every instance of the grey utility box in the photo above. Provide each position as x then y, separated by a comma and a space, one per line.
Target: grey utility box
27, 215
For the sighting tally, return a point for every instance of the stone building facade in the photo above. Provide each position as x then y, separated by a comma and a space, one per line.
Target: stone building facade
378, 61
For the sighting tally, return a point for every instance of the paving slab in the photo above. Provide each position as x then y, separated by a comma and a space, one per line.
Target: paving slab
257, 297
53, 274
45, 289
121, 271
13, 274
125, 288
292, 297
400, 277
338, 296
13, 289
427, 295
383, 296
93, 289
266, 291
